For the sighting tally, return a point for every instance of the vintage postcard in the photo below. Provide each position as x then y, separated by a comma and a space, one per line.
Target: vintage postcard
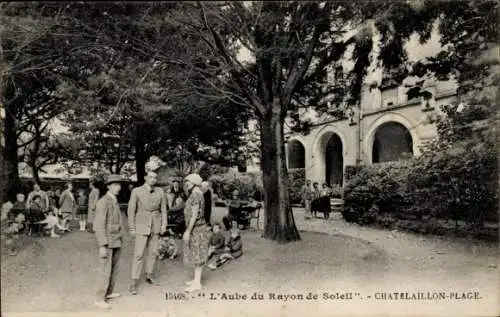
249, 158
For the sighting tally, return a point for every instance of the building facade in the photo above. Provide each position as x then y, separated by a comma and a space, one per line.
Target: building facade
385, 127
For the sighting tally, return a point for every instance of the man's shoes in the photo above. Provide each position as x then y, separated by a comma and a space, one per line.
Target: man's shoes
113, 295
133, 288
102, 304
150, 280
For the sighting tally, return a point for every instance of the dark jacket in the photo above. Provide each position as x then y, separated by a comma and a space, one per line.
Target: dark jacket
107, 222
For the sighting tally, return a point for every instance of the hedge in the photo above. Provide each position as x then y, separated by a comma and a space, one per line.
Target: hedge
248, 184
459, 184
297, 179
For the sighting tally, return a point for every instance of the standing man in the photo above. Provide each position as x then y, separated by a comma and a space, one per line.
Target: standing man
147, 218
67, 204
108, 231
306, 198
93, 198
37, 191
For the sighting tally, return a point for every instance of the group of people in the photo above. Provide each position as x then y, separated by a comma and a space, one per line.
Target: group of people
148, 220
316, 199
45, 212
154, 215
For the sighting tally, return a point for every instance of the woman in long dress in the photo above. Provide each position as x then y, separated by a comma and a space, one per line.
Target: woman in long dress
196, 236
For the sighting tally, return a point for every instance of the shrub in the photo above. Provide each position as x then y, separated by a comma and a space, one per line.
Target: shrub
297, 179
351, 170
248, 184
458, 183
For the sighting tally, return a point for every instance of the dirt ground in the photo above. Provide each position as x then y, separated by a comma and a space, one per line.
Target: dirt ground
333, 258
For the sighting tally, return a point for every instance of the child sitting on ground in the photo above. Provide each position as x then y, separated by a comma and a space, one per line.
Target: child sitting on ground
216, 245
233, 247
52, 222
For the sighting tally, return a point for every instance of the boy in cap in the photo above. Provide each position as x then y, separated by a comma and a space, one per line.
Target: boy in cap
108, 231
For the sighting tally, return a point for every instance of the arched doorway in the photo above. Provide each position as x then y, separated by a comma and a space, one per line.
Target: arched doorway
392, 142
334, 160
296, 155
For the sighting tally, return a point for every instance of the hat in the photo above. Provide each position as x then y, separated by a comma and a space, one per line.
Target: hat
194, 178
154, 163
115, 179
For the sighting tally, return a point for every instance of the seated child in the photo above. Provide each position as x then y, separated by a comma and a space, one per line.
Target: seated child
167, 247
216, 244
35, 214
11, 227
233, 247
52, 222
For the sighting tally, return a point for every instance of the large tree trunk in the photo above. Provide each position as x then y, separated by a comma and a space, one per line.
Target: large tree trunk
140, 156
10, 159
279, 223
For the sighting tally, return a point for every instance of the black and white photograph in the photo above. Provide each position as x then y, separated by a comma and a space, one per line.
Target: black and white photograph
249, 158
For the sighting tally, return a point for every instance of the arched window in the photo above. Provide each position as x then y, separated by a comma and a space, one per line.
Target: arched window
334, 160
296, 155
392, 142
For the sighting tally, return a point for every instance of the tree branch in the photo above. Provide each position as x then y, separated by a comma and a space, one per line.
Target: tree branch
300, 70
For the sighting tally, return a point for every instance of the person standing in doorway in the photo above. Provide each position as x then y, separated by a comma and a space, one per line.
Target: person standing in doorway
306, 198
67, 204
108, 231
147, 219
93, 198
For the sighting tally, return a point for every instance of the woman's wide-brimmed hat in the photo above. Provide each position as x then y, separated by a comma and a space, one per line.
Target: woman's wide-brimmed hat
194, 178
114, 178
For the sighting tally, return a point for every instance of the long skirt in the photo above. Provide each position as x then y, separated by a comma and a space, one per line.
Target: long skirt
196, 250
